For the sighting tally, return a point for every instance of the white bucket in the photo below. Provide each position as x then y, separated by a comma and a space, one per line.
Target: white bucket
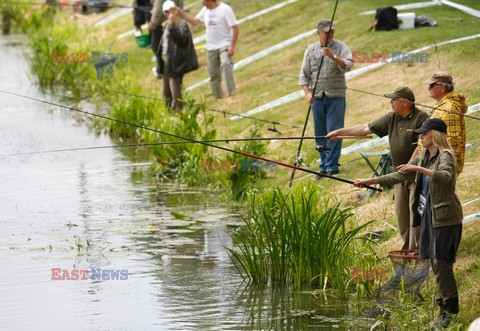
407, 21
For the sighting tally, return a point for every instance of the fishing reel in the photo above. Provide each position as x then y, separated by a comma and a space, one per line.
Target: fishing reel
298, 161
322, 148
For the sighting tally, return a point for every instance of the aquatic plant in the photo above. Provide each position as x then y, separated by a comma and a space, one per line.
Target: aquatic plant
183, 161
134, 110
26, 17
298, 237
238, 182
180, 161
59, 39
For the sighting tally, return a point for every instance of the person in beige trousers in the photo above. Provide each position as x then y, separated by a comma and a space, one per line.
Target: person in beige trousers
221, 35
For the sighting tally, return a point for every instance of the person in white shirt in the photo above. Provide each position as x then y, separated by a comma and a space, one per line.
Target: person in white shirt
222, 35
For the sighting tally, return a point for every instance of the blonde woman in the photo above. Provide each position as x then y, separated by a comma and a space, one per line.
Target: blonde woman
437, 209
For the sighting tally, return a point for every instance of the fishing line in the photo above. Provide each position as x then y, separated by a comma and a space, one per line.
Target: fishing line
175, 143
282, 75
381, 95
188, 139
298, 159
211, 109
82, 4
416, 104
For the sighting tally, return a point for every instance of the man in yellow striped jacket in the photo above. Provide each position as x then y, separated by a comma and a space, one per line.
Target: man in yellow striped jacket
450, 107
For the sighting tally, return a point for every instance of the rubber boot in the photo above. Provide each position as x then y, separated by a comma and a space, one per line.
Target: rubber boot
437, 324
451, 308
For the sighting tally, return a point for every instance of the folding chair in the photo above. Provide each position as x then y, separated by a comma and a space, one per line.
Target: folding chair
383, 167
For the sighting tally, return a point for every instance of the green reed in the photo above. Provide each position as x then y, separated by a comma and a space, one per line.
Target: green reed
179, 161
297, 237
63, 39
134, 110
25, 17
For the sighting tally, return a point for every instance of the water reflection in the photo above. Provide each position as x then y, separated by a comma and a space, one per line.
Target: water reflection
279, 308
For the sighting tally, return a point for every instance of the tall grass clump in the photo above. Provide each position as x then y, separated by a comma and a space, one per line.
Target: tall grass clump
239, 181
298, 238
180, 161
27, 18
52, 72
134, 110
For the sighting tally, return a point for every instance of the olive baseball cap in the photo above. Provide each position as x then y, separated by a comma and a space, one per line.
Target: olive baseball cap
432, 124
324, 25
402, 92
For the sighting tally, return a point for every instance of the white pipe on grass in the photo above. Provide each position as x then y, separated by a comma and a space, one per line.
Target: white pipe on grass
112, 17
465, 9
471, 217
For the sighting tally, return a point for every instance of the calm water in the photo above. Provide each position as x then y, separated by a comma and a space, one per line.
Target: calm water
101, 209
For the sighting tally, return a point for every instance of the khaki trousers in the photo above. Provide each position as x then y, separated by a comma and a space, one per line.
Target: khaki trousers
404, 199
220, 66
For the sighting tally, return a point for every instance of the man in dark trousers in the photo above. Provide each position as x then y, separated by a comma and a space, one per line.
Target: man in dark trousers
141, 13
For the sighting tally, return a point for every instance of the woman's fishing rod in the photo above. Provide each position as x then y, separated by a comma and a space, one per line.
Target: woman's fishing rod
298, 160
187, 139
175, 143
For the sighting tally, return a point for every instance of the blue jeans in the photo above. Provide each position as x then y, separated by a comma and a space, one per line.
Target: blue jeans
329, 115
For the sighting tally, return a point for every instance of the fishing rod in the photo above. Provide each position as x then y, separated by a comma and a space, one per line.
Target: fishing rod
214, 110
298, 159
82, 3
416, 104
187, 139
174, 143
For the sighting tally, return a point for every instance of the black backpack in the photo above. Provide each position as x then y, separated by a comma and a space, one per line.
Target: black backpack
386, 19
